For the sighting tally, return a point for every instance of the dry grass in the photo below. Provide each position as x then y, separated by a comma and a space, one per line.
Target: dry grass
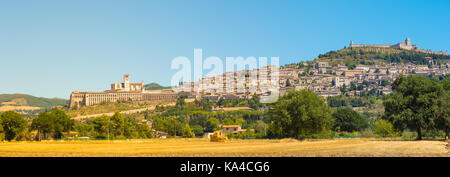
237, 148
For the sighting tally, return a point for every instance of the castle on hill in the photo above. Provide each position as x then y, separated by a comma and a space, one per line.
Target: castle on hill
402, 45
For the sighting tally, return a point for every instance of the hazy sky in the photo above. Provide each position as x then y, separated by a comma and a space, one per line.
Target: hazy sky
51, 48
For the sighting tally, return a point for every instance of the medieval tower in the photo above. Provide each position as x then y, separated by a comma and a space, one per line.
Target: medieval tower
126, 82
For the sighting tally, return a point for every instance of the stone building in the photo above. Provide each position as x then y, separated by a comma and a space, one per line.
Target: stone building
352, 73
127, 86
234, 129
120, 91
402, 45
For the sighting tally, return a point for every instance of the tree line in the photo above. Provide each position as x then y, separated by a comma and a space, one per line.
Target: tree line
200, 119
56, 124
387, 55
418, 103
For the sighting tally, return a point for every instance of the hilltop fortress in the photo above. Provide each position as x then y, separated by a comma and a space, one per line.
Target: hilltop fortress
403, 45
120, 91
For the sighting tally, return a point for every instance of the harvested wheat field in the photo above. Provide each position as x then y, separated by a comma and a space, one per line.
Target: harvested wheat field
235, 148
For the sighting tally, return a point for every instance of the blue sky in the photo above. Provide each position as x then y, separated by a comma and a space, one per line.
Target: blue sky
51, 48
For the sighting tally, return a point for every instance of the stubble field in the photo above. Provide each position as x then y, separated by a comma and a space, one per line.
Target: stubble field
234, 148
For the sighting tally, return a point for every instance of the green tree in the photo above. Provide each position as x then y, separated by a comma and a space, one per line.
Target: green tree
2, 135
384, 82
171, 125
102, 126
261, 127
227, 121
343, 89
337, 101
299, 114
144, 131
181, 101
212, 124
63, 123
346, 119
176, 127
187, 132
204, 103
444, 110
197, 129
52, 123
288, 83
254, 103
241, 122
43, 124
84, 129
117, 125
384, 128
130, 128
13, 124
414, 104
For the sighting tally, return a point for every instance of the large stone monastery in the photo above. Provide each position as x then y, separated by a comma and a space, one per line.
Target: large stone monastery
120, 91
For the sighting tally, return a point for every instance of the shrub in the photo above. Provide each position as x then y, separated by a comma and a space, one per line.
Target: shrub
187, 132
367, 133
344, 134
407, 135
346, 119
384, 128
246, 135
13, 124
330, 134
84, 129
197, 129
24, 136
212, 124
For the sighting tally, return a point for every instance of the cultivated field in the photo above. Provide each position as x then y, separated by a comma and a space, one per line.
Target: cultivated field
20, 108
238, 148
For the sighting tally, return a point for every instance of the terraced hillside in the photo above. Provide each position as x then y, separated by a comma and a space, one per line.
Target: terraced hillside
373, 55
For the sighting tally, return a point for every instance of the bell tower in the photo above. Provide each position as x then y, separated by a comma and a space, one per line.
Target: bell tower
408, 41
126, 82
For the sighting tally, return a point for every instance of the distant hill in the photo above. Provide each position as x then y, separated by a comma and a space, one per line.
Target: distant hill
374, 55
28, 104
154, 86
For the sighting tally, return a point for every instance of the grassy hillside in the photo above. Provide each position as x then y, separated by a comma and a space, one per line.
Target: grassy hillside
373, 55
106, 107
28, 100
154, 86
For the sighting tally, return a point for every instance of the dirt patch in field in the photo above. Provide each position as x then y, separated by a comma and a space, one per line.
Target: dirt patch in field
13, 108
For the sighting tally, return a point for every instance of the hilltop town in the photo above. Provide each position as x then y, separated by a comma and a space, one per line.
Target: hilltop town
228, 106
357, 70
370, 70
327, 80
